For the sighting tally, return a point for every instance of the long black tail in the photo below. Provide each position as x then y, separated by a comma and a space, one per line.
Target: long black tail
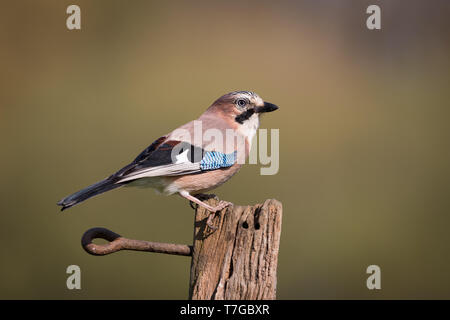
89, 192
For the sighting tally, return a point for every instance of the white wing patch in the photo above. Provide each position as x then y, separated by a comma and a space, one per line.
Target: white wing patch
182, 157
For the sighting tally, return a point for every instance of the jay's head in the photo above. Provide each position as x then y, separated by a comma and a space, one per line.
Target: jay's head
241, 106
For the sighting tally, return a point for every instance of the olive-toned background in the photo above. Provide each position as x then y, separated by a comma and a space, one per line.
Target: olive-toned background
364, 150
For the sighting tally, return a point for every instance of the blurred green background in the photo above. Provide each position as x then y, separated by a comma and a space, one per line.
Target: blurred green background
364, 153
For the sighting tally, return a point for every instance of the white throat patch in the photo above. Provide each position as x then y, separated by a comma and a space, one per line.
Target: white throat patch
249, 127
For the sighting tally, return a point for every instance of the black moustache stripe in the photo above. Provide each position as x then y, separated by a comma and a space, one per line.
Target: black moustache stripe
244, 115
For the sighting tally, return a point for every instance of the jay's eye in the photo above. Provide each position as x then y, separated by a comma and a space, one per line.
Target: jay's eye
241, 103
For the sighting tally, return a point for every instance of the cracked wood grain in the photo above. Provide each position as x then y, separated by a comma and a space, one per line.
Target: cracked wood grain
239, 259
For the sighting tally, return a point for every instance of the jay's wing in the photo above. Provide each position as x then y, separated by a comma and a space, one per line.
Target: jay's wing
164, 157
171, 158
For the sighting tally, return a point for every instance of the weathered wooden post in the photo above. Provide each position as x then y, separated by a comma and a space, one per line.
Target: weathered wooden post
237, 260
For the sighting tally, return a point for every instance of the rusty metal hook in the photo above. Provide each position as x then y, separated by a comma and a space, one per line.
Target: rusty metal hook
117, 243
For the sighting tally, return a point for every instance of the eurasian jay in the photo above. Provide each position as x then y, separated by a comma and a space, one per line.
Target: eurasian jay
195, 158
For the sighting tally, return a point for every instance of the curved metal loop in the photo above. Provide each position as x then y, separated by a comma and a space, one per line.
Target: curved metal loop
117, 243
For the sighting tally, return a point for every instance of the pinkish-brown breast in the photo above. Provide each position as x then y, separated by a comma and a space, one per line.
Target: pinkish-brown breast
203, 182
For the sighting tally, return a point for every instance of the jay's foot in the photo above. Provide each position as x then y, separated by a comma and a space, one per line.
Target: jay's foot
220, 206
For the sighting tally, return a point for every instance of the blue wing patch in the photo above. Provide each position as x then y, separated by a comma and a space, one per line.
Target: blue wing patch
215, 160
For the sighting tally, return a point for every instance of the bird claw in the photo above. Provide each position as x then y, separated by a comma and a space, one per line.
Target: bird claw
220, 206
210, 223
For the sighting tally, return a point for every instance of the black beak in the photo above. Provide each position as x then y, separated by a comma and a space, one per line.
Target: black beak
268, 107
